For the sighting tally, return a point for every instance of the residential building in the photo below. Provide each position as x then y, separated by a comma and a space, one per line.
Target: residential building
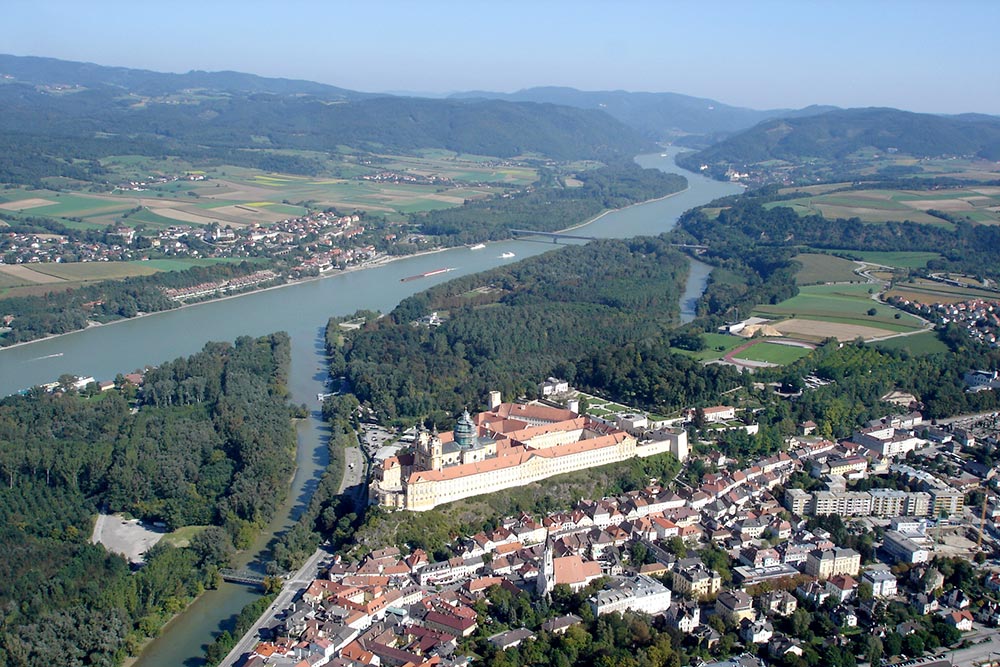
697, 581
637, 593
735, 605
824, 564
882, 581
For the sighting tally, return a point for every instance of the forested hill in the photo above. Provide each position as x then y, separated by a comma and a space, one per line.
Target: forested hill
837, 134
50, 129
505, 328
211, 443
54, 72
658, 115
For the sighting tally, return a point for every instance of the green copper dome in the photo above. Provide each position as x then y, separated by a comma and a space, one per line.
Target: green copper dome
465, 431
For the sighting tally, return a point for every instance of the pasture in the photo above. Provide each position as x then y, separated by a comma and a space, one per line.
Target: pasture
919, 344
819, 269
717, 345
905, 259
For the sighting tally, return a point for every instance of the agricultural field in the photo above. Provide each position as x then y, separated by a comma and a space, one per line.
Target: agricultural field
905, 259
240, 196
819, 311
923, 290
818, 269
980, 204
462, 168
38, 279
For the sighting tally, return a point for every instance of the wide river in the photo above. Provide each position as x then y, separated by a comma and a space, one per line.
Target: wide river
302, 310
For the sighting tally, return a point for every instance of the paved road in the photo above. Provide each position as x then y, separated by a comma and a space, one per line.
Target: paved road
293, 586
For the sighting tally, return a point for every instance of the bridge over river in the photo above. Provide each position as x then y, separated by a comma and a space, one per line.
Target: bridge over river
244, 576
556, 236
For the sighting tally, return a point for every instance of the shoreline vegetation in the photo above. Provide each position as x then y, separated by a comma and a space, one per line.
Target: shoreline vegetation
375, 263
236, 484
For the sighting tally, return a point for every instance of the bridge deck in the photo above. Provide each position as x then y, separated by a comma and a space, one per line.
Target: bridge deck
555, 236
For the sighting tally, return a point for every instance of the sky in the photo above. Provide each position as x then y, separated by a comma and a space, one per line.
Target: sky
939, 57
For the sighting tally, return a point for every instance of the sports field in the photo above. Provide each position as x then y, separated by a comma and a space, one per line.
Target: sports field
773, 353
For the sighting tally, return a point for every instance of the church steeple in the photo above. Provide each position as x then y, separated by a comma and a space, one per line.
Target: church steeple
546, 580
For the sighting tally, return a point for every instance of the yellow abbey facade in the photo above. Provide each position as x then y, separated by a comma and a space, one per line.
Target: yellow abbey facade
511, 445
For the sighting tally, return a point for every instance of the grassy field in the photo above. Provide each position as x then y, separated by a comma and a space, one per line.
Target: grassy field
76, 274
978, 203
716, 346
182, 536
92, 271
847, 304
917, 344
818, 269
774, 353
901, 259
922, 290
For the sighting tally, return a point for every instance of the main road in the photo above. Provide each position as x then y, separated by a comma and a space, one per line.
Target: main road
293, 586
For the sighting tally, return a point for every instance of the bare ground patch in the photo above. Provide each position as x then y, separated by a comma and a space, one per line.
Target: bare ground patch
248, 214
26, 274
25, 204
128, 537
183, 216
940, 204
817, 329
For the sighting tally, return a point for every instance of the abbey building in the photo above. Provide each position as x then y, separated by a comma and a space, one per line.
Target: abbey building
510, 445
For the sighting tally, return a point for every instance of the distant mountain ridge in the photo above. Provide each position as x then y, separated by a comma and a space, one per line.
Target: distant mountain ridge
52, 71
658, 115
61, 118
836, 134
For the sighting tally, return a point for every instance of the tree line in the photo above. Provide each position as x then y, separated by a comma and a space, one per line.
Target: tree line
210, 443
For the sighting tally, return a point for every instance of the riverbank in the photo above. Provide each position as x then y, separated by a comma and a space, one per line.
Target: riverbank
623, 208
375, 263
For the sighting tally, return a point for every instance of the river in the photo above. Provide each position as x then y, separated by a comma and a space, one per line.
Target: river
302, 310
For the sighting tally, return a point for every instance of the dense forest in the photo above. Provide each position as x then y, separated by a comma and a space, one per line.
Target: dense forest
744, 223
836, 134
550, 208
509, 327
210, 443
50, 135
658, 115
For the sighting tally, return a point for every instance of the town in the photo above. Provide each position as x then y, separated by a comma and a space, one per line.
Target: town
863, 546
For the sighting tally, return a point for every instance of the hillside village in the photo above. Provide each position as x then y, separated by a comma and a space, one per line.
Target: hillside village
821, 546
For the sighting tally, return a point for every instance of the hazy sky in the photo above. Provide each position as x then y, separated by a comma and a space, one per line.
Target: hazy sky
941, 56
